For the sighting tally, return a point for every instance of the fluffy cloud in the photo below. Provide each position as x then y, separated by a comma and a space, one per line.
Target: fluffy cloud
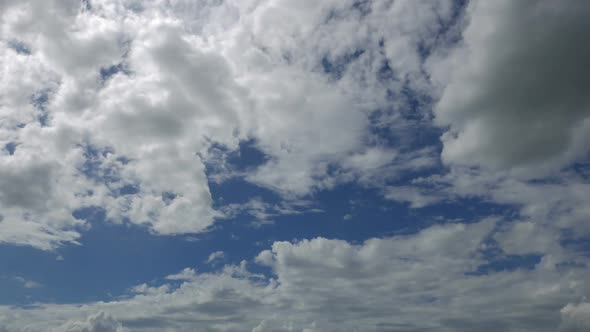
426, 281
117, 104
514, 91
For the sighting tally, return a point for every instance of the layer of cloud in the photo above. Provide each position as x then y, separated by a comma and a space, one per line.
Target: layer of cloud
215, 256
428, 281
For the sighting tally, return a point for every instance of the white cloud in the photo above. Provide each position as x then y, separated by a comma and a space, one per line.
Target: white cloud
215, 256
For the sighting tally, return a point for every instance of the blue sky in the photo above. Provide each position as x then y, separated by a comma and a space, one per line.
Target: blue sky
283, 165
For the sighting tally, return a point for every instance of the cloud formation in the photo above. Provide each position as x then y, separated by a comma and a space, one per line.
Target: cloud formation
117, 105
134, 108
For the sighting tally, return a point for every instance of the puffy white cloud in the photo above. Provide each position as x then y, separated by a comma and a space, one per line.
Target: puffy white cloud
215, 256
102, 97
514, 90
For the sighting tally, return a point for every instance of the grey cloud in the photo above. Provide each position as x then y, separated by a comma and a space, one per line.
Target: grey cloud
516, 98
575, 317
28, 283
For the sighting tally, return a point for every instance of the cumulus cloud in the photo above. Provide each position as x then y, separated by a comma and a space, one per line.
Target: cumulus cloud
514, 90
117, 105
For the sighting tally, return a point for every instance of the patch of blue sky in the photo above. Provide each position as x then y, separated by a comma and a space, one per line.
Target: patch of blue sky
385, 72
19, 47
95, 271
508, 263
360, 7
93, 167
447, 34
39, 100
582, 168
107, 72
247, 156
334, 67
10, 147
576, 243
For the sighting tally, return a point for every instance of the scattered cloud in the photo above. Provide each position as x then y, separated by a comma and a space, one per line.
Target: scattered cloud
513, 94
215, 256
27, 283
144, 97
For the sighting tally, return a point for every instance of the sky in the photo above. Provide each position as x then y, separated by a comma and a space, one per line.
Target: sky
280, 165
